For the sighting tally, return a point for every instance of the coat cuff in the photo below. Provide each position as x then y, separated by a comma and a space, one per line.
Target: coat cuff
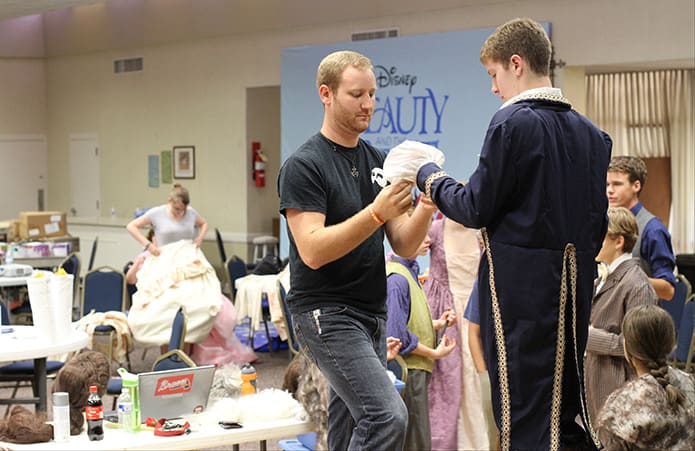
424, 172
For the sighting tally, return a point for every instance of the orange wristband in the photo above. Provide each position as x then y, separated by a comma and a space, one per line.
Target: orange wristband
376, 218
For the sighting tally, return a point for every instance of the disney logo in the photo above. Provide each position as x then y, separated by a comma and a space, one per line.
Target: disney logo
390, 77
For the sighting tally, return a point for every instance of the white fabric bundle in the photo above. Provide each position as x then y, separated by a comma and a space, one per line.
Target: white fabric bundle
404, 160
180, 275
267, 405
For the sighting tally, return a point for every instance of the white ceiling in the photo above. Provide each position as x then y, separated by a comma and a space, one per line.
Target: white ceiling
253, 15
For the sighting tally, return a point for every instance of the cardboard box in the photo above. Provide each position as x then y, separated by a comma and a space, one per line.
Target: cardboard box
41, 224
73, 242
10, 230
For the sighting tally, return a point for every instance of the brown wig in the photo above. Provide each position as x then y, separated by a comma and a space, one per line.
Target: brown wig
85, 369
24, 426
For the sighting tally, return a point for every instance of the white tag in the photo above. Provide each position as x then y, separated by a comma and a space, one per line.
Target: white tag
51, 227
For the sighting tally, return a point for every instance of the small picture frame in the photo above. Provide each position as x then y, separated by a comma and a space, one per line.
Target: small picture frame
184, 162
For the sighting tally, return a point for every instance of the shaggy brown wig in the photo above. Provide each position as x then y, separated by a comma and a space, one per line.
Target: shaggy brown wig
23, 426
85, 369
309, 386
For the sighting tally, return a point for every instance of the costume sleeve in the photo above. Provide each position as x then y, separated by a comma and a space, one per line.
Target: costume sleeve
492, 183
656, 246
398, 312
604, 342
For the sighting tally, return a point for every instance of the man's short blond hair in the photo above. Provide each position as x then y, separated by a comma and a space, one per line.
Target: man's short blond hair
523, 37
331, 69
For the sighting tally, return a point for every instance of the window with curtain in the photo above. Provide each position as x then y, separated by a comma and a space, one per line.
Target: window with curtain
651, 115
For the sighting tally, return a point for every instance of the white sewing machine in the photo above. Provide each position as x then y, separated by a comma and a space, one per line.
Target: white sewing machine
15, 270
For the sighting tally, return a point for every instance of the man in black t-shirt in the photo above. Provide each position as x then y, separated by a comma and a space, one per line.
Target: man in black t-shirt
338, 207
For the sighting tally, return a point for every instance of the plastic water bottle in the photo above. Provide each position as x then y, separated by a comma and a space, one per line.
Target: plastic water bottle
95, 415
126, 413
248, 379
9, 257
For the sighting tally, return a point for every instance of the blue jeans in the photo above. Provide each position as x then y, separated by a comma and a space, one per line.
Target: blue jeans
365, 411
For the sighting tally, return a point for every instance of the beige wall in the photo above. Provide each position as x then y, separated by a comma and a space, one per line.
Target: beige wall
263, 125
194, 91
22, 96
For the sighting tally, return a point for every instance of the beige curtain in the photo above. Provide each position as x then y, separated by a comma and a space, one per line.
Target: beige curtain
652, 114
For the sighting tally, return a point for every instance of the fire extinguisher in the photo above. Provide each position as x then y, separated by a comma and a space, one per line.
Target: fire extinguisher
259, 160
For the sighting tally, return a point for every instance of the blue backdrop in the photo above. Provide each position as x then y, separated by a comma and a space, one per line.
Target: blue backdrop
430, 88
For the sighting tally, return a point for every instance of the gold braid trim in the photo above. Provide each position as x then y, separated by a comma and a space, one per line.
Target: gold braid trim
431, 178
543, 96
555, 413
556, 405
503, 372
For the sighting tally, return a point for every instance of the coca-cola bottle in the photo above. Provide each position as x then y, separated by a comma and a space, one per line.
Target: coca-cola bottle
95, 415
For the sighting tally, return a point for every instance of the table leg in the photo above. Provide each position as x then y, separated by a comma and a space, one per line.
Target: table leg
264, 445
40, 387
235, 447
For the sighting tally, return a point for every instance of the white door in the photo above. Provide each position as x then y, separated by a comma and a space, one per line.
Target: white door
23, 174
84, 175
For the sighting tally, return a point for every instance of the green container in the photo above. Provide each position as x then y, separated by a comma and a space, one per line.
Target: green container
130, 380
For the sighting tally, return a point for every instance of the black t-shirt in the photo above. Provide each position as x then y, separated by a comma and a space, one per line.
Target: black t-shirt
317, 177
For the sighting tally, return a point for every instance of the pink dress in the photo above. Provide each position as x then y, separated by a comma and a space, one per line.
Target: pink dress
221, 346
456, 418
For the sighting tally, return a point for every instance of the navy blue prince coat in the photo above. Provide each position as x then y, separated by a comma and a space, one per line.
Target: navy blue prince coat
539, 185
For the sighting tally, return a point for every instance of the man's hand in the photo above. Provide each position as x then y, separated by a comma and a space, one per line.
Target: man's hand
393, 200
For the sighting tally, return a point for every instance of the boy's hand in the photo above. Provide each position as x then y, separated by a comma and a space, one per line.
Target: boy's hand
393, 346
448, 317
445, 347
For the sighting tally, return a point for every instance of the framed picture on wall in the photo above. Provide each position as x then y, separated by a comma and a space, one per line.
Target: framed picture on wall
184, 162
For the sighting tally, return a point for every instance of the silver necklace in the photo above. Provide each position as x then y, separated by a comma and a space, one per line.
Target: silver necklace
353, 170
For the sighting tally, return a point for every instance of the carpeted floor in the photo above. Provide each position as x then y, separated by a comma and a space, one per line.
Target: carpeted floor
270, 370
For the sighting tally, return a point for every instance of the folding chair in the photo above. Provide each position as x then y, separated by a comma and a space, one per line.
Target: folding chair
72, 265
172, 359
175, 357
220, 246
686, 337
675, 306
93, 253
103, 291
291, 338
235, 268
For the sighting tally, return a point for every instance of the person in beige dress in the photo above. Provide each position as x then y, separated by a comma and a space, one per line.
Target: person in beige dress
623, 286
